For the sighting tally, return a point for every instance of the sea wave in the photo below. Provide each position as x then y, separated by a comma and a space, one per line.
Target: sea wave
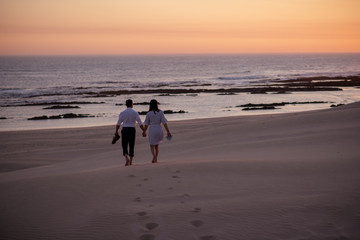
241, 80
110, 82
319, 74
36, 92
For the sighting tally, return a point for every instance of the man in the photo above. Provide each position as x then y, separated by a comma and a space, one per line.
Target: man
128, 119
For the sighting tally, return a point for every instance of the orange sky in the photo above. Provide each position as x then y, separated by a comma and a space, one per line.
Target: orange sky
39, 27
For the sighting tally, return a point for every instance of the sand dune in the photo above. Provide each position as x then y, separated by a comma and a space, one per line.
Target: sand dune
284, 176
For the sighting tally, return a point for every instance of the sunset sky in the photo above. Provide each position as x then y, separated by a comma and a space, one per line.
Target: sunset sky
37, 27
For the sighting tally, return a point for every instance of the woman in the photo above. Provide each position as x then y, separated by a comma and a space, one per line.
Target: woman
153, 119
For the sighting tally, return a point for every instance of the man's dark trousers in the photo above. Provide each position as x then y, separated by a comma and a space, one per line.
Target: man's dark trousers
128, 139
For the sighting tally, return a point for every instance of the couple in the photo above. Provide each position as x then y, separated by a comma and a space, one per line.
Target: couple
128, 119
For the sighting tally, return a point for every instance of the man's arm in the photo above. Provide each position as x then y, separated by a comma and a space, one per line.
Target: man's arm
118, 124
117, 130
138, 119
144, 130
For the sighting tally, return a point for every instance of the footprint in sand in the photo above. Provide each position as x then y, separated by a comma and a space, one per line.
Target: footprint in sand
209, 237
177, 171
197, 223
145, 179
196, 210
175, 176
132, 175
170, 188
138, 199
185, 195
151, 226
138, 185
142, 214
147, 237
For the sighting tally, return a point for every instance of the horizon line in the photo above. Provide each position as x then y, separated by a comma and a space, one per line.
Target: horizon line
172, 54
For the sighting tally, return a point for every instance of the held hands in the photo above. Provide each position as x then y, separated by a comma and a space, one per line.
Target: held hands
168, 134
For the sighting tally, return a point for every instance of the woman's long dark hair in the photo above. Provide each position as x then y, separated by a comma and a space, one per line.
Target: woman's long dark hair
153, 106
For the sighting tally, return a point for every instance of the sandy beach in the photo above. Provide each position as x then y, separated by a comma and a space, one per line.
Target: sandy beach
281, 176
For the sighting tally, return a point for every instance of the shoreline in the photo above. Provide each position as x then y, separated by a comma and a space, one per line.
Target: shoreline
255, 113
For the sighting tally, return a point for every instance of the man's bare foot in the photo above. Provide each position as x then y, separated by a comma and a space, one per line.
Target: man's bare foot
127, 160
130, 161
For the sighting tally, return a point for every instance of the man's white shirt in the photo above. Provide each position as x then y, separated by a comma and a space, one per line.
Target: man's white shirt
129, 117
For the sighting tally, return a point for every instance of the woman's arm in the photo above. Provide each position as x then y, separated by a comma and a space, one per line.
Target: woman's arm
167, 129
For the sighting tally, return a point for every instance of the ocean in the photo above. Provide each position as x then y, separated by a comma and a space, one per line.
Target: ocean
94, 88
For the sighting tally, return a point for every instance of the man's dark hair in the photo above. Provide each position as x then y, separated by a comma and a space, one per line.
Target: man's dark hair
129, 103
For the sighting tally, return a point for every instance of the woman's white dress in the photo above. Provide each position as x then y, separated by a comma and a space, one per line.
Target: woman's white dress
153, 120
